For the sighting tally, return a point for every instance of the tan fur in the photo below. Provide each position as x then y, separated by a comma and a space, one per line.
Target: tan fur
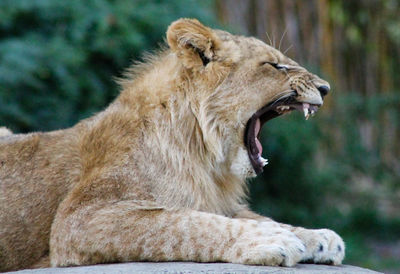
160, 174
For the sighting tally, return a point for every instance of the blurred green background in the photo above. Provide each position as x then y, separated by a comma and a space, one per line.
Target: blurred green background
339, 170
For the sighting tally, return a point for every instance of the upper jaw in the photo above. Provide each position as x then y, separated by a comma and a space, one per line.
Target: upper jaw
315, 99
306, 108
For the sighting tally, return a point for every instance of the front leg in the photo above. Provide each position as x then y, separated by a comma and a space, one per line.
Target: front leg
121, 231
322, 245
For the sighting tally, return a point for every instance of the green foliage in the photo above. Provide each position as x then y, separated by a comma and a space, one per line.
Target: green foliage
57, 58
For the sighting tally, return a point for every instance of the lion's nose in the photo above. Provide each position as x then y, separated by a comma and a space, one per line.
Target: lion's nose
323, 90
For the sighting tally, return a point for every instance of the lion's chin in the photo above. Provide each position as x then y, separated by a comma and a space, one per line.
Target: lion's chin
263, 115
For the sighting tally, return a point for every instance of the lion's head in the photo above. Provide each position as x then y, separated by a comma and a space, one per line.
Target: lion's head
240, 83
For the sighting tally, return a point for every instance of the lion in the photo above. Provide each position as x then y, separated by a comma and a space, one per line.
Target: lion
160, 174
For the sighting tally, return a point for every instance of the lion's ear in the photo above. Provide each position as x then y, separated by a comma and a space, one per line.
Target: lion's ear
192, 41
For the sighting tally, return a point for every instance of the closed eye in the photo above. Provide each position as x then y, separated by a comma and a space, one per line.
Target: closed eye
277, 66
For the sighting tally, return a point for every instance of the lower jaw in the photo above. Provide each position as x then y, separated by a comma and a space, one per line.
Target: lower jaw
254, 152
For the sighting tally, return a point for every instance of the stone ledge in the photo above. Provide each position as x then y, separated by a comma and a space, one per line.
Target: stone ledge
188, 267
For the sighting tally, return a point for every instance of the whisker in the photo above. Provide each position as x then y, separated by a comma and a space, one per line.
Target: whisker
288, 49
282, 95
280, 41
269, 38
273, 40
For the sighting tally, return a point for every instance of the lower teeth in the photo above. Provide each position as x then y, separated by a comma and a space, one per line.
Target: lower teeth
262, 161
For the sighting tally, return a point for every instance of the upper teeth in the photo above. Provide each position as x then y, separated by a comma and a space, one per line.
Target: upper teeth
306, 110
283, 109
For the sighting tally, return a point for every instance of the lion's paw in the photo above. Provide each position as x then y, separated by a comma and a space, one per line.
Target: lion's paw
322, 246
273, 247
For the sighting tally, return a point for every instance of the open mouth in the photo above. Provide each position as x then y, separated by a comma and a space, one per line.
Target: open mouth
266, 113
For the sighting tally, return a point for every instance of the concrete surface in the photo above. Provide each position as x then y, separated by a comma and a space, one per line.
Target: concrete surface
206, 268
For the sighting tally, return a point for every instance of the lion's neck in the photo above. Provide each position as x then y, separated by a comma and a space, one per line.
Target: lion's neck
193, 150
182, 140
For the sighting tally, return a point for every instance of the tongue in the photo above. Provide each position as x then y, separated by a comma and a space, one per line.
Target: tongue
259, 147
256, 131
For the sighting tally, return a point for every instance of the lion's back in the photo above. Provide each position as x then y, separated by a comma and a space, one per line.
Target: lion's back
30, 191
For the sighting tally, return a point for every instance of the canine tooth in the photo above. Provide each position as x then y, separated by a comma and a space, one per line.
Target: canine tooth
264, 162
305, 110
